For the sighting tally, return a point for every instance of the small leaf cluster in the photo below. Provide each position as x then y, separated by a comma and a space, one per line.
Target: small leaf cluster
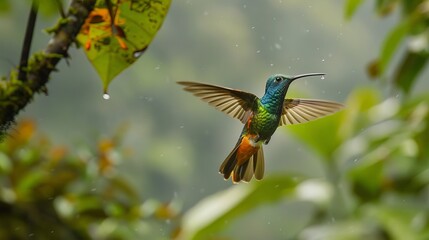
412, 30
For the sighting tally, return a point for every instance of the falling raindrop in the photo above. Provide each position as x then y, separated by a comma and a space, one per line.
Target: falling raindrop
106, 96
322, 77
271, 64
258, 51
323, 60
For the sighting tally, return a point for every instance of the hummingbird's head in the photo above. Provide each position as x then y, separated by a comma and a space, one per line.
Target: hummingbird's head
279, 83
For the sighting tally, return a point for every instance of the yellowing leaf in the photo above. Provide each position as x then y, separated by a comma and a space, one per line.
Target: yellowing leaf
165, 211
117, 32
25, 131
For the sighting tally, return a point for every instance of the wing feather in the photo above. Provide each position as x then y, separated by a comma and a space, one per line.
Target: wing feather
233, 102
303, 110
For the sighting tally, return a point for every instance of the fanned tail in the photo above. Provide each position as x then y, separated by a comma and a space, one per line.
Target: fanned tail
245, 161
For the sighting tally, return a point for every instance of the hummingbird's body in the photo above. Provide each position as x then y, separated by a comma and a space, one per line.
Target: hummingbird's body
261, 117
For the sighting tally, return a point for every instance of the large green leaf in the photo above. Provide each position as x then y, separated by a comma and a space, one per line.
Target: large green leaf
209, 216
117, 32
321, 135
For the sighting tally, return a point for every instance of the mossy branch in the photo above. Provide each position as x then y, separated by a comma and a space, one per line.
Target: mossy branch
15, 93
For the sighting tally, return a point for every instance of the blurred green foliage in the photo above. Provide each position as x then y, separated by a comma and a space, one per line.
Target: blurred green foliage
51, 192
412, 28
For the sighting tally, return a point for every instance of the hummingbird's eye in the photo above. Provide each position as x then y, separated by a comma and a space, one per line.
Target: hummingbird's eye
278, 79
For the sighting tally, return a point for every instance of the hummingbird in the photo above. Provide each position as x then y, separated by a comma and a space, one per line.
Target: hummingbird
261, 117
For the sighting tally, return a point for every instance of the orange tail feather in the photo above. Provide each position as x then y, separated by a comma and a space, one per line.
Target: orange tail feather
244, 161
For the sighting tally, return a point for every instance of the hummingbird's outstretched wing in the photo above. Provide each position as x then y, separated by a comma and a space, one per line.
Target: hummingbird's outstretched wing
235, 103
303, 110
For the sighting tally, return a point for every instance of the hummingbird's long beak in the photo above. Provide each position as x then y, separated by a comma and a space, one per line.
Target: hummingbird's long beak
306, 75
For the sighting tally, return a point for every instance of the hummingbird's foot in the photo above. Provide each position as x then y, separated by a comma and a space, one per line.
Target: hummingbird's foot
267, 141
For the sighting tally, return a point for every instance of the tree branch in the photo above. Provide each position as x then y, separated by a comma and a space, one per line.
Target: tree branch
15, 94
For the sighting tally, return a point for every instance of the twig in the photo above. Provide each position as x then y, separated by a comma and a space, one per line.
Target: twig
27, 41
60, 8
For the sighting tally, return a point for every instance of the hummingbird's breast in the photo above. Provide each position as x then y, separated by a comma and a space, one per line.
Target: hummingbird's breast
263, 123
